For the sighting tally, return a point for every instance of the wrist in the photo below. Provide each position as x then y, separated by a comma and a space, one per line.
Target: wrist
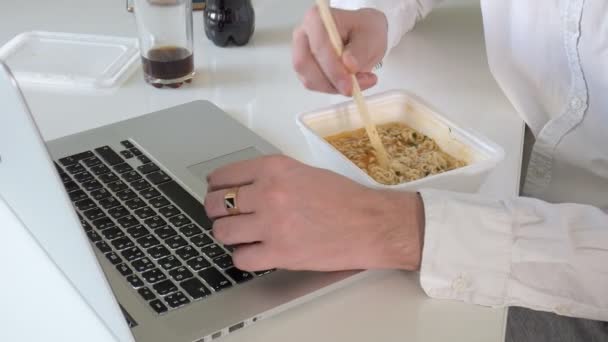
404, 235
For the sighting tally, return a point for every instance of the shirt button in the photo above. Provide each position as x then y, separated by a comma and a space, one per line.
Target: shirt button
576, 103
460, 284
562, 310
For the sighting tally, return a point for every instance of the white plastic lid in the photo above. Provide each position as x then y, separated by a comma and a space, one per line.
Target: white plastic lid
70, 60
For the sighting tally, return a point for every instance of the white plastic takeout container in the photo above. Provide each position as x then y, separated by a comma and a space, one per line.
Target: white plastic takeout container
67, 60
480, 154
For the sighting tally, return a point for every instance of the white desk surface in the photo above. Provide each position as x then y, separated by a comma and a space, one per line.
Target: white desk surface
443, 60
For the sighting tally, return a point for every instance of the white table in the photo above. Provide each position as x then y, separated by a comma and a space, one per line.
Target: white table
443, 61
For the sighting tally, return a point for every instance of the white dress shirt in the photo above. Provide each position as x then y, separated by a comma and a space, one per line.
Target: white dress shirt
549, 252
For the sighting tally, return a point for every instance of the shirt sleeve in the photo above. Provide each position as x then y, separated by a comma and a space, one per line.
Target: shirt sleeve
518, 252
402, 15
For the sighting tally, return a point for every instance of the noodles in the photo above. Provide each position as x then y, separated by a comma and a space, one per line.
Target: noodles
413, 155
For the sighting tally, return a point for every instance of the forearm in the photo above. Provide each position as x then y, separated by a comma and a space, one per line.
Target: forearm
522, 252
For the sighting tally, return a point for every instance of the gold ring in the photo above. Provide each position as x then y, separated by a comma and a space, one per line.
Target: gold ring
230, 201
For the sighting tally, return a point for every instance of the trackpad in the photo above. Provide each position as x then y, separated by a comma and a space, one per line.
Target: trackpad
201, 170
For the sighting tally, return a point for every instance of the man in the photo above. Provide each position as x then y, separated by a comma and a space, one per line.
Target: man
546, 253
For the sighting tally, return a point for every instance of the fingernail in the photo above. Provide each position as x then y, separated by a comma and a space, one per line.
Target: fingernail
344, 87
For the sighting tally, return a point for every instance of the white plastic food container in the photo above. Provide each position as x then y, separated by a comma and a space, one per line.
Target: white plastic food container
480, 154
67, 60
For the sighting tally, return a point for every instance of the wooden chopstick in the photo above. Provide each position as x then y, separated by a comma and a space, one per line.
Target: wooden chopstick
370, 127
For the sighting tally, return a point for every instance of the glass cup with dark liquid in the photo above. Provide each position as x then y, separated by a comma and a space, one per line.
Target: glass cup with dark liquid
165, 41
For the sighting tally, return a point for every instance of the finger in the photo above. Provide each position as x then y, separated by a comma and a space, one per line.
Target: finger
367, 80
325, 54
308, 70
235, 174
245, 201
239, 229
253, 257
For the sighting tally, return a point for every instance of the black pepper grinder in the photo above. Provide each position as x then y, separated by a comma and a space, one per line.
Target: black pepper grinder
229, 21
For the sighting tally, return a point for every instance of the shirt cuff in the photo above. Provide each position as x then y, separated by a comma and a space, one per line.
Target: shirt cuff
467, 248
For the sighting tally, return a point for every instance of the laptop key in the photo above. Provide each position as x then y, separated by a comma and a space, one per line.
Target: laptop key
122, 168
113, 258
158, 252
122, 243
83, 177
100, 169
100, 194
135, 203
215, 279
144, 159
65, 177
158, 306
224, 261
176, 242
85, 205
165, 287
108, 155
135, 151
155, 222
124, 269
165, 232
93, 236
145, 213
127, 144
94, 214
90, 162
126, 195
201, 240
76, 168
85, 225
198, 263
190, 230
91, 185
195, 288
59, 169
132, 253
108, 178
238, 275
169, 262
261, 273
212, 251
118, 212
148, 168
137, 231
103, 223
180, 273
169, 211
176, 300
154, 276
179, 220
128, 221
131, 176
126, 154
140, 185
150, 193
142, 265
135, 281
159, 202
190, 205
148, 241
71, 186
112, 233
70, 160
158, 177
117, 186
103, 247
77, 195
187, 253
146, 293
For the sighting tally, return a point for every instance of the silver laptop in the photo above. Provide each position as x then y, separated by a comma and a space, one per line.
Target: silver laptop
118, 211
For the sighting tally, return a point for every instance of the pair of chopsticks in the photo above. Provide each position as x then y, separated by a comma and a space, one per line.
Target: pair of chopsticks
370, 127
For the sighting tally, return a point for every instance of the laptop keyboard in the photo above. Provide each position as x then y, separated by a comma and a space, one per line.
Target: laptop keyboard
151, 229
